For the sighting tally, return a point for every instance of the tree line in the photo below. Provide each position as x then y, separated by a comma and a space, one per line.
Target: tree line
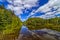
39, 23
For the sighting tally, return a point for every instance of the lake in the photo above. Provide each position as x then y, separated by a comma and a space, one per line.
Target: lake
42, 34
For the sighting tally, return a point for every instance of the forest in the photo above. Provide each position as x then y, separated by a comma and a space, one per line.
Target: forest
40, 23
10, 24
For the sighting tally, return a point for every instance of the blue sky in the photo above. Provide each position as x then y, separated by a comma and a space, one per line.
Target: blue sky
33, 8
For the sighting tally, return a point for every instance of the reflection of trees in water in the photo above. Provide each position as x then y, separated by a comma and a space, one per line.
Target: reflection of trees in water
38, 35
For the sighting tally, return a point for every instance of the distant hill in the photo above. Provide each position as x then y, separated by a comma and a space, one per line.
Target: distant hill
40, 23
9, 23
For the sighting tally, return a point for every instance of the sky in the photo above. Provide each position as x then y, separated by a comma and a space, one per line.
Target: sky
25, 9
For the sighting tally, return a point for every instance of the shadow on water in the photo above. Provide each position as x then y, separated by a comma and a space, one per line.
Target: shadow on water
42, 34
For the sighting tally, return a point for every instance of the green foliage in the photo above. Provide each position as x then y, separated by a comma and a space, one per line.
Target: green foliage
39, 23
9, 23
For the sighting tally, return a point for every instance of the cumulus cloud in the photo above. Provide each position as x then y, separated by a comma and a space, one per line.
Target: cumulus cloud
51, 9
19, 5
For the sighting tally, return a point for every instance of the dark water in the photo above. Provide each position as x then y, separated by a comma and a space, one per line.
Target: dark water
42, 34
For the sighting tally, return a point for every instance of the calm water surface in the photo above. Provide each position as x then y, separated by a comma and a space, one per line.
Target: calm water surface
42, 34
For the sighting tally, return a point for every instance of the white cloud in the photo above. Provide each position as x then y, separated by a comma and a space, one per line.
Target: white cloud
19, 5
46, 6
55, 4
29, 3
10, 7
